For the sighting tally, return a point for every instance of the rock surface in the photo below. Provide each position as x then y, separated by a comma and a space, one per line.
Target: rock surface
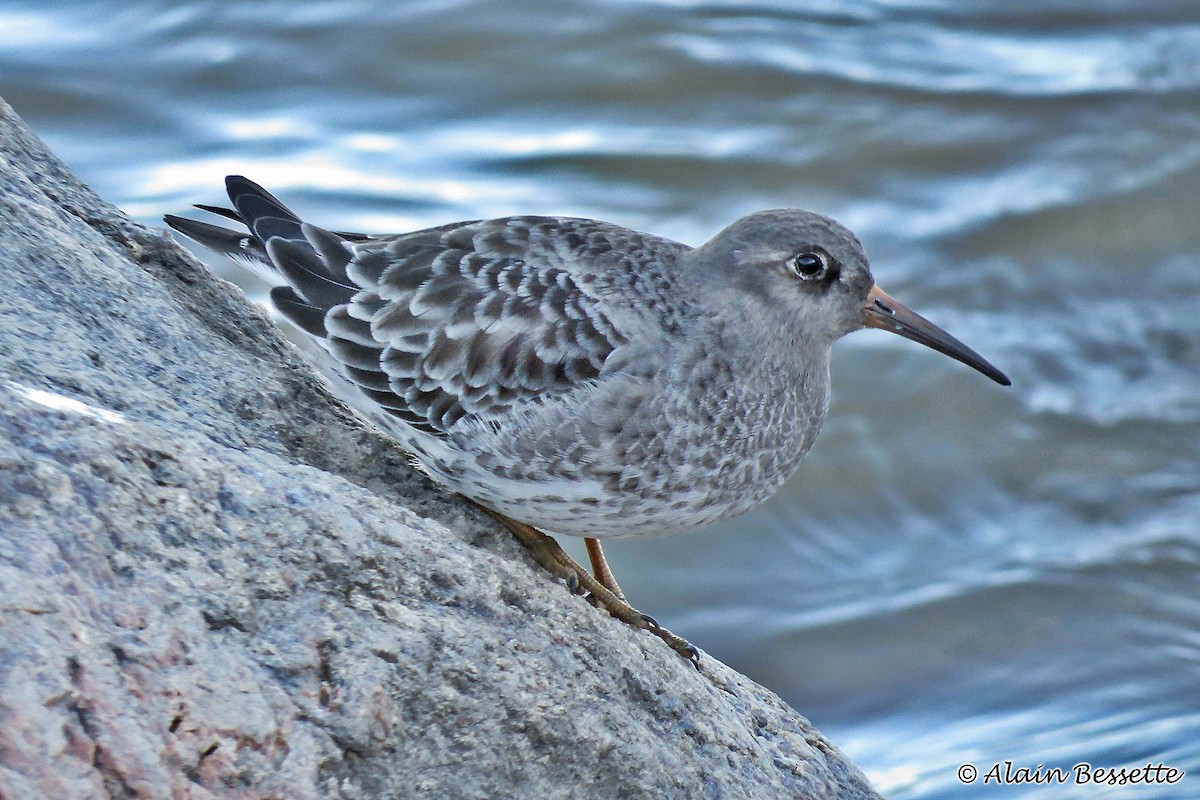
216, 582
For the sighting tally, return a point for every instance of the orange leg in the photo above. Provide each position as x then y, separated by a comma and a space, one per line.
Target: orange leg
601, 569
554, 559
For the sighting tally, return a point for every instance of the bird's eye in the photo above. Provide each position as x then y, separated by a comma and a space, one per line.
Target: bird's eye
810, 264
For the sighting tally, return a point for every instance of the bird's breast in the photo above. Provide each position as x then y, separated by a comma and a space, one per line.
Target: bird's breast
718, 437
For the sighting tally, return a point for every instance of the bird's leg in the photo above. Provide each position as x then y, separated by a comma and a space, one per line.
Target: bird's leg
601, 569
554, 559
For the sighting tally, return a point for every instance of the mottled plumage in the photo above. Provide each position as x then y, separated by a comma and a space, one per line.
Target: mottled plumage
572, 374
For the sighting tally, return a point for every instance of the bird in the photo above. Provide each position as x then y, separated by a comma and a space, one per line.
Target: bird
577, 377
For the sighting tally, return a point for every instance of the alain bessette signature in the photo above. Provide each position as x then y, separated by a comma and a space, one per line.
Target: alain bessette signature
1006, 773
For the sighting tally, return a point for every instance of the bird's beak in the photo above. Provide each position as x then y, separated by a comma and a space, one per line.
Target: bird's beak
885, 313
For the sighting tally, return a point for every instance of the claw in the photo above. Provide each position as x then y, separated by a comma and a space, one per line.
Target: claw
651, 621
573, 583
692, 654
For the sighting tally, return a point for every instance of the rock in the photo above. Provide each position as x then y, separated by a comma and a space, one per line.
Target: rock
215, 581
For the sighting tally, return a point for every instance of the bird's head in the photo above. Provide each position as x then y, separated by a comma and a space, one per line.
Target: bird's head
814, 270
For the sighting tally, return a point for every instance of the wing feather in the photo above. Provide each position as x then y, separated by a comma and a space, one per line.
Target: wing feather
471, 320
463, 321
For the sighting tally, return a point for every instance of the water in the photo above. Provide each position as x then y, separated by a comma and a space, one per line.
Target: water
959, 573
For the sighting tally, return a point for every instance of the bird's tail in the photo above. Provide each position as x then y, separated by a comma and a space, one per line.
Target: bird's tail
305, 264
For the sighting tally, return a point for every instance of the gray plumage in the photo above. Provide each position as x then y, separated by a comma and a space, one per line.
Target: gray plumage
578, 376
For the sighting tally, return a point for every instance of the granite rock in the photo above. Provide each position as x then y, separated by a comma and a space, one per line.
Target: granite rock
216, 581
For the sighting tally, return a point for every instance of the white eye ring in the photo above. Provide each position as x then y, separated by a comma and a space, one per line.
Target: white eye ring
810, 264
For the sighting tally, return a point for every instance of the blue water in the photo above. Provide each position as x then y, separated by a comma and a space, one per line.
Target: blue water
959, 573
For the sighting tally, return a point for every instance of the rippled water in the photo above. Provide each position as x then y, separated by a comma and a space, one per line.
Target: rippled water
959, 572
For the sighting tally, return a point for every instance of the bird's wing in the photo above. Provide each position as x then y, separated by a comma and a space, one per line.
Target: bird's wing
467, 321
462, 321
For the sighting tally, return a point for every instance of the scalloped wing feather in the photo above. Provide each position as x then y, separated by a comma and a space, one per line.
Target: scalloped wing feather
468, 321
465, 320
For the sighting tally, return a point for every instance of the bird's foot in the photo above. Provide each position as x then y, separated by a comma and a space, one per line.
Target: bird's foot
550, 555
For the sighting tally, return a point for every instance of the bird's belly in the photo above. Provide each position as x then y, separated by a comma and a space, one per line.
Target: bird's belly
662, 463
658, 499
649, 482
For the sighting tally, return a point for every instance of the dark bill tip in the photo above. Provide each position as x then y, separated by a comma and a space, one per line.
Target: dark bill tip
887, 314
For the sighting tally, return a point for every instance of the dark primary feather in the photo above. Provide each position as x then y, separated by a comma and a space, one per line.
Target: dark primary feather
292, 306
218, 239
220, 211
460, 321
229, 213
